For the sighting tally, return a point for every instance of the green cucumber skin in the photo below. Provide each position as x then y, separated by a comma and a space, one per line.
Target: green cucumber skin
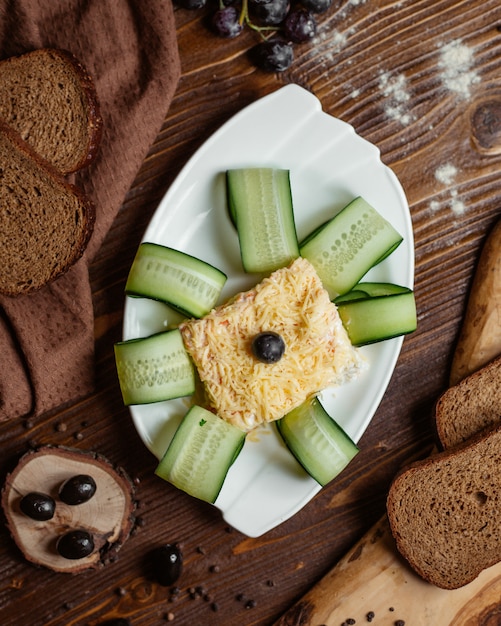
189, 285
378, 318
353, 294
200, 454
364, 290
154, 368
319, 444
382, 289
260, 206
346, 247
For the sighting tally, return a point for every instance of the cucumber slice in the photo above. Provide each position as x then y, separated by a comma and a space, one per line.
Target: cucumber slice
186, 283
319, 444
382, 289
199, 456
346, 247
260, 205
354, 294
376, 319
365, 290
154, 368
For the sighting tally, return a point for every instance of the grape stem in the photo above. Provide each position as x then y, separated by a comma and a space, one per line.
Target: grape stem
244, 19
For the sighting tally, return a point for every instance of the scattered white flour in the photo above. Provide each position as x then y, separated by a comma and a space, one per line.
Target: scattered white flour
350, 4
335, 41
455, 63
338, 39
457, 206
446, 174
394, 88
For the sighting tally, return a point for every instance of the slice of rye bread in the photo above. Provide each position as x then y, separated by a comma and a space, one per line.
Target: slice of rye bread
470, 406
445, 511
49, 98
45, 223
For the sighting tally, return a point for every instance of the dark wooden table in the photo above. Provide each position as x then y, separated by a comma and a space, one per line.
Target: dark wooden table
421, 79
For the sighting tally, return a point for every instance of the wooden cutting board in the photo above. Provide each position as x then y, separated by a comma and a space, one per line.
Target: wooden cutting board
372, 580
372, 583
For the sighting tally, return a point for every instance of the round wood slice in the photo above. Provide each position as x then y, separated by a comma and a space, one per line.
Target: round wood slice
108, 515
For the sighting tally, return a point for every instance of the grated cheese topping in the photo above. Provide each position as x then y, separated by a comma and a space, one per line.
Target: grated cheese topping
293, 303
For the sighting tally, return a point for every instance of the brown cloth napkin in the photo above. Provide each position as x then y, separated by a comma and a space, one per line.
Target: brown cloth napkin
129, 47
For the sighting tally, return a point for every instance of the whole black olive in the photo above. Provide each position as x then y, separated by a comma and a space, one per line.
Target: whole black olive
38, 506
75, 544
167, 564
77, 489
268, 347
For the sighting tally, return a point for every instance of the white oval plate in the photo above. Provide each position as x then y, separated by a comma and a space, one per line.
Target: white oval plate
330, 165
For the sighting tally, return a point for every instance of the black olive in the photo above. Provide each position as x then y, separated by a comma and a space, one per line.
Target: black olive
167, 563
38, 506
75, 544
77, 489
268, 347
118, 621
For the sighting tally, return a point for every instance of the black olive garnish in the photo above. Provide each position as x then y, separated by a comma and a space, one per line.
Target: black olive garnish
38, 506
75, 544
167, 564
268, 347
77, 489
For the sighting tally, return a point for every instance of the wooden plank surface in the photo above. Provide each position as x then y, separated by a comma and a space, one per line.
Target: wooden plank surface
422, 80
372, 583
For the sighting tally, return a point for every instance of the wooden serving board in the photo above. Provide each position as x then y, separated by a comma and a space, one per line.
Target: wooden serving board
373, 583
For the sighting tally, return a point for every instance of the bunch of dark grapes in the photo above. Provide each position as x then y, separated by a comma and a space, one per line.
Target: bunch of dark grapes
280, 23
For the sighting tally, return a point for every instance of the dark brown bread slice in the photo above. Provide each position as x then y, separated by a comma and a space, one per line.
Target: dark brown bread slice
470, 406
445, 511
49, 98
45, 223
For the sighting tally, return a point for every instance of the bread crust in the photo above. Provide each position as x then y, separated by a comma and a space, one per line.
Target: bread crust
470, 406
11, 286
451, 546
88, 93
